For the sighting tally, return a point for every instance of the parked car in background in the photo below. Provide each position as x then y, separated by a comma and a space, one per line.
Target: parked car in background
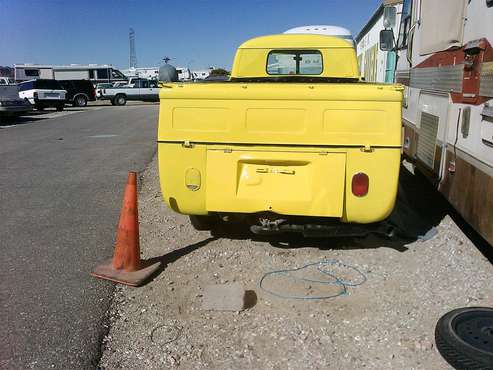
103, 85
142, 90
43, 93
6, 81
79, 92
10, 102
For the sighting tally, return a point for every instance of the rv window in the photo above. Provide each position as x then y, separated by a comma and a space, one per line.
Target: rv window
102, 74
294, 62
32, 72
405, 24
91, 74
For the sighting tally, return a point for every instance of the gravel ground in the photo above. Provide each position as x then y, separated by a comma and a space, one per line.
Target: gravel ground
385, 323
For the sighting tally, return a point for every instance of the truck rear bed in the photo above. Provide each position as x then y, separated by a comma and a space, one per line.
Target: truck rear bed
291, 148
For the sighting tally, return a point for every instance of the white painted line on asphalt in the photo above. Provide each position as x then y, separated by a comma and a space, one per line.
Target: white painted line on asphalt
101, 136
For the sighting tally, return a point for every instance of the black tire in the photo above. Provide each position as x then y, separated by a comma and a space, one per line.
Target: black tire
112, 101
80, 101
464, 337
120, 99
60, 107
203, 223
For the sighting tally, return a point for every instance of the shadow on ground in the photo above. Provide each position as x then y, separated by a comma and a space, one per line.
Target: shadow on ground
419, 209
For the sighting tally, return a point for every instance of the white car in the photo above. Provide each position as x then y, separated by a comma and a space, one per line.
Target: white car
142, 90
43, 93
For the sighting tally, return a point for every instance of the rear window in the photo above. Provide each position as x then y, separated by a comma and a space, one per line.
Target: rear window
294, 62
29, 85
47, 84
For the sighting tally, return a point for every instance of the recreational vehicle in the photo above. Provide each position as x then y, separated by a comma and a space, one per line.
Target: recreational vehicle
94, 72
445, 62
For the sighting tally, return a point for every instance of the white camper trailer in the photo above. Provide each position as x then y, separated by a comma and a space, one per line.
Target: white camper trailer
94, 72
445, 62
327, 30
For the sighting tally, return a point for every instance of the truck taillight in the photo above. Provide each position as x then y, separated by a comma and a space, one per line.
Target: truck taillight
360, 184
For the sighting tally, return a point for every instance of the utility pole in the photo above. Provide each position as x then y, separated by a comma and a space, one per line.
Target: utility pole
133, 54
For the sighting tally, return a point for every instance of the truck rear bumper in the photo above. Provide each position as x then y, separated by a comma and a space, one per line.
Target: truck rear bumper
285, 180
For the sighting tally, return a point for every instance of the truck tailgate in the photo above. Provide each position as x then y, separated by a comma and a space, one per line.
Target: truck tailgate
305, 183
347, 114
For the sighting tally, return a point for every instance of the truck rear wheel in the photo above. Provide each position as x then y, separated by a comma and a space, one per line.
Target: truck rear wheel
120, 99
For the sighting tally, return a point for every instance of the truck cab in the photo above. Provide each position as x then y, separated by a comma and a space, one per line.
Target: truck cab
293, 135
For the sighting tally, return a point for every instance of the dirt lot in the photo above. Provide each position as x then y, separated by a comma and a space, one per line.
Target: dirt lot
387, 322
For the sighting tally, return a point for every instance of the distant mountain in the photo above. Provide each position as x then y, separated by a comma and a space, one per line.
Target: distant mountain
6, 71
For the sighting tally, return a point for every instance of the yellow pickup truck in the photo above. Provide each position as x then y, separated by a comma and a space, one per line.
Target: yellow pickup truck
293, 141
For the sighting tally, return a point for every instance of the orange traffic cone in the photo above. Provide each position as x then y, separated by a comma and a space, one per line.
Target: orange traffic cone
126, 266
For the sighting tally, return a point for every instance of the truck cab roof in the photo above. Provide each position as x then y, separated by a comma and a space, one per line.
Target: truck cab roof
290, 41
295, 56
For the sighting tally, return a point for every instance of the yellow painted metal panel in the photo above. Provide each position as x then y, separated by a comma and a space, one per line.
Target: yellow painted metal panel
298, 114
243, 189
337, 63
295, 41
200, 119
175, 164
287, 183
346, 119
382, 168
285, 120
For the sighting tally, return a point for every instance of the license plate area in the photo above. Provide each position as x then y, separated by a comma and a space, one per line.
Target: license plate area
290, 183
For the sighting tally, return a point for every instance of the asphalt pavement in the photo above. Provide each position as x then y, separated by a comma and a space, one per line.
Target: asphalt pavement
61, 183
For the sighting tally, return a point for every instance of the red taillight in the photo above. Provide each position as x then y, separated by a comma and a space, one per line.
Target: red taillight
359, 184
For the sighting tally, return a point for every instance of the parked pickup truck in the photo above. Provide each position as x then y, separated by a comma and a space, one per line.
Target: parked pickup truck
143, 90
294, 141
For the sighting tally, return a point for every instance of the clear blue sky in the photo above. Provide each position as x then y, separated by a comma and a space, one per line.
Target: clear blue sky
198, 33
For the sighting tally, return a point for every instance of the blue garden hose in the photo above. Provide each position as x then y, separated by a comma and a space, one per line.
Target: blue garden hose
321, 267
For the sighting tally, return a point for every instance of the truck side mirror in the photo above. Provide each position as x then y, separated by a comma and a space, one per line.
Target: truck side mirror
386, 40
